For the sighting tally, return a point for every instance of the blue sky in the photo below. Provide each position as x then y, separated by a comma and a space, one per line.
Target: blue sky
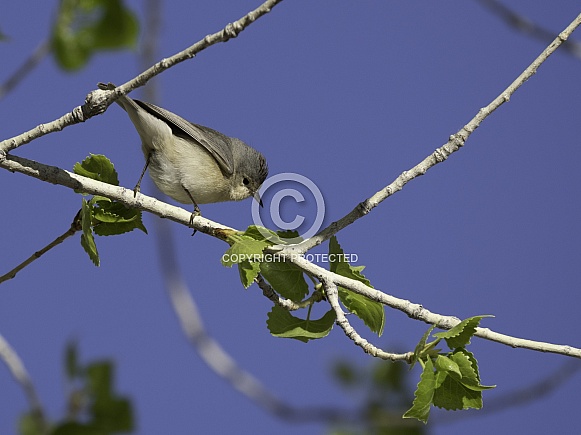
349, 95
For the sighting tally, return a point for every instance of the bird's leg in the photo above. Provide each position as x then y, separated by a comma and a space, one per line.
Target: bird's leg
137, 187
196, 211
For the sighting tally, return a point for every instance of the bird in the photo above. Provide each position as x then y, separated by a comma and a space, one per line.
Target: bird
191, 163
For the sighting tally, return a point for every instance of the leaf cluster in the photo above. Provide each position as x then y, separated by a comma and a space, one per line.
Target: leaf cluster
249, 250
100, 215
449, 380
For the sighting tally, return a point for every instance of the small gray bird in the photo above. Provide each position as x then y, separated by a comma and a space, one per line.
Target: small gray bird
191, 163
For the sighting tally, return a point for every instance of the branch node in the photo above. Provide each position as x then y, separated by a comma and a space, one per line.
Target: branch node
440, 155
364, 207
96, 102
231, 31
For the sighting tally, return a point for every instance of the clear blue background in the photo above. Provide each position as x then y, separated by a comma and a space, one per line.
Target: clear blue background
348, 94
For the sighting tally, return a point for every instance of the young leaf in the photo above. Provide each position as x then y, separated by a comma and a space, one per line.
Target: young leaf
87, 239
114, 218
420, 347
371, 312
248, 272
424, 394
469, 369
287, 279
460, 335
260, 233
443, 363
243, 248
98, 167
452, 395
282, 324
459, 391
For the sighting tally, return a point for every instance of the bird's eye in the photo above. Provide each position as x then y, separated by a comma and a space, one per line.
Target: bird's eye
245, 181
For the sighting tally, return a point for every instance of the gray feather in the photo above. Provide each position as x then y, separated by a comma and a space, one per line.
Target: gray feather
216, 143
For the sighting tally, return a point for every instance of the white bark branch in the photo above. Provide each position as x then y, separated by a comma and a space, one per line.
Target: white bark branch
333, 297
455, 142
98, 101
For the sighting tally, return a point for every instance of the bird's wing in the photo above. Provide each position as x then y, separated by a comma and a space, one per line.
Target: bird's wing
216, 143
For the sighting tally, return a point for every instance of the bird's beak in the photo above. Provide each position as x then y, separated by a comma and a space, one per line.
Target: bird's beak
257, 198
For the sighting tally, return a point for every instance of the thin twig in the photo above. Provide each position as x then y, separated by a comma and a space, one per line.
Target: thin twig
27, 67
75, 226
149, 46
528, 27
333, 297
19, 373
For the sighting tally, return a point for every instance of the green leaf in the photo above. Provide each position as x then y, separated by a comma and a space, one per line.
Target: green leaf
97, 167
460, 391
107, 217
424, 394
371, 312
451, 394
260, 233
282, 324
469, 369
274, 238
248, 272
460, 335
289, 234
243, 248
286, 278
114, 218
443, 363
421, 346
87, 239
84, 27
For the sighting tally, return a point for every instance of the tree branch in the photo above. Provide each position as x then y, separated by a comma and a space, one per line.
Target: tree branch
455, 142
75, 226
29, 64
55, 175
418, 312
333, 297
98, 101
